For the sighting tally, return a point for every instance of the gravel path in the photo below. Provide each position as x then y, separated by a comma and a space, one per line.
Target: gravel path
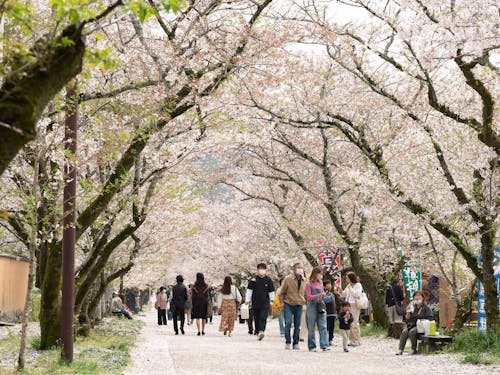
159, 351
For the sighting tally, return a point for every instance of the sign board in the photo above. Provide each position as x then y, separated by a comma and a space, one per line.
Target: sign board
481, 315
330, 260
412, 278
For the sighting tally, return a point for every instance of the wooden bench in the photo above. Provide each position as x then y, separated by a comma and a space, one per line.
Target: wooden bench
430, 344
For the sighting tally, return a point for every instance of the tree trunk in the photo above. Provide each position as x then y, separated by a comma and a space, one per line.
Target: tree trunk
489, 279
32, 252
25, 94
50, 304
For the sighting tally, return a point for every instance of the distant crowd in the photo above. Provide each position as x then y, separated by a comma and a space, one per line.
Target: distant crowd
303, 305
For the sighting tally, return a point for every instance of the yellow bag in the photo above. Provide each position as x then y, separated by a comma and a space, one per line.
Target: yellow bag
276, 309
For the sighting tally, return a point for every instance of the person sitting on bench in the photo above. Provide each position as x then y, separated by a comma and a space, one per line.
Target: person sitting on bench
419, 310
117, 307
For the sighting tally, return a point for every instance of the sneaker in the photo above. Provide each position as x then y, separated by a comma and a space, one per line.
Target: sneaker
346, 350
296, 347
326, 349
400, 352
287, 347
261, 336
312, 350
412, 352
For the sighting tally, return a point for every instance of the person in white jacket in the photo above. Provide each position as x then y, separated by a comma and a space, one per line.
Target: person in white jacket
228, 297
352, 294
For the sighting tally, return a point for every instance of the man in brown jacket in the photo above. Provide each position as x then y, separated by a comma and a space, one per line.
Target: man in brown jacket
293, 295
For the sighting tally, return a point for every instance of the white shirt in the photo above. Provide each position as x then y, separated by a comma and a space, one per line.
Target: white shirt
235, 294
352, 293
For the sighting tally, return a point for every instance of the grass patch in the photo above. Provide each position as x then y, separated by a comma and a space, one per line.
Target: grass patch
477, 347
372, 329
105, 351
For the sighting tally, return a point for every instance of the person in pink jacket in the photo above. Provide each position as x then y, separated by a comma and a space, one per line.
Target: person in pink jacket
316, 311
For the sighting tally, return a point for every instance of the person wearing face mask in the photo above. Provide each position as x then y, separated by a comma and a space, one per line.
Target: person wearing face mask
260, 292
293, 295
419, 310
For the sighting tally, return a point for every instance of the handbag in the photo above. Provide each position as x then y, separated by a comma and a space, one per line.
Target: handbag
399, 307
362, 301
321, 306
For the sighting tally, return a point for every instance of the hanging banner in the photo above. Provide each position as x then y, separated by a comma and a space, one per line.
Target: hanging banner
481, 316
330, 261
412, 278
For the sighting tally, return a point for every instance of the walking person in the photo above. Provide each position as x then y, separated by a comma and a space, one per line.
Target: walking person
352, 293
199, 300
227, 301
261, 292
331, 310
293, 295
394, 296
345, 321
250, 319
281, 314
178, 303
161, 306
189, 306
316, 311
419, 310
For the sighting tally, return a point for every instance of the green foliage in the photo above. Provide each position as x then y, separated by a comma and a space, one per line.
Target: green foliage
95, 57
372, 329
479, 348
105, 351
20, 14
73, 10
35, 304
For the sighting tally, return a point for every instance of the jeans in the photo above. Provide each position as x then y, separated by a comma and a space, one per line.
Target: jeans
162, 317
281, 319
292, 315
330, 326
260, 317
312, 318
412, 334
178, 314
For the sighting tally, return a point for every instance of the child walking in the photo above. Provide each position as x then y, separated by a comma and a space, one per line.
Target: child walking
331, 310
345, 320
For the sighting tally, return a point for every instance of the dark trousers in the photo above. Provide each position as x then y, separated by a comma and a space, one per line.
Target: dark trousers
178, 314
250, 321
162, 316
260, 317
412, 334
330, 326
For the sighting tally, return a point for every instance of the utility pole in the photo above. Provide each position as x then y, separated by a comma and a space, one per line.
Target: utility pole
69, 229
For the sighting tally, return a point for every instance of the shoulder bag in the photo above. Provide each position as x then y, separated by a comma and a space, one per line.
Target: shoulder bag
399, 307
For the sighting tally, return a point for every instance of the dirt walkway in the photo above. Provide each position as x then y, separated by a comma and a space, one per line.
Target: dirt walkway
160, 352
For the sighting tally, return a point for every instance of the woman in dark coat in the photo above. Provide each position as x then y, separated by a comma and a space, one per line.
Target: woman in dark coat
178, 303
199, 300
